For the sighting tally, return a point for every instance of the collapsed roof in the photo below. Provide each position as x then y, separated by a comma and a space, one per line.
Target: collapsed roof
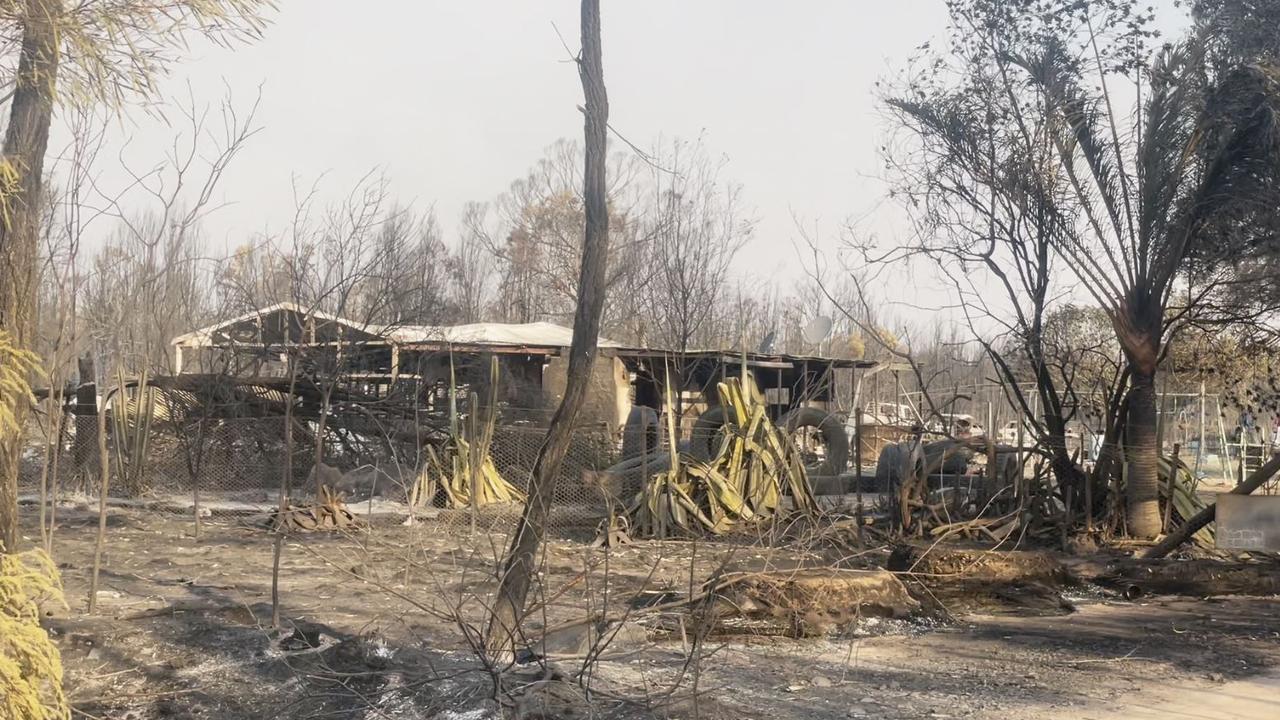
288, 323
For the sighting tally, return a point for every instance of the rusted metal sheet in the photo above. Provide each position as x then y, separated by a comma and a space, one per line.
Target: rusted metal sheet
1248, 522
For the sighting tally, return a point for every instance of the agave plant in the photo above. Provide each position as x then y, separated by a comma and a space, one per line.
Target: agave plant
464, 470
744, 482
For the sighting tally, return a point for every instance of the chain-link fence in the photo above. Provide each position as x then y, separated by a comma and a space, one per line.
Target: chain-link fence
238, 466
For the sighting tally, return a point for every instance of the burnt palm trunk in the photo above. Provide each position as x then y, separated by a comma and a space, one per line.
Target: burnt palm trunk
1139, 330
25, 142
520, 563
1141, 457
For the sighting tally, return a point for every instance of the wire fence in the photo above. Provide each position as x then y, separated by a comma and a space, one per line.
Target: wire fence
241, 465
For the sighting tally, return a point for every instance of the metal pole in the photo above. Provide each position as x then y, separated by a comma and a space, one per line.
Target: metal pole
876, 404
991, 419
1022, 468
1200, 444
1224, 458
1160, 415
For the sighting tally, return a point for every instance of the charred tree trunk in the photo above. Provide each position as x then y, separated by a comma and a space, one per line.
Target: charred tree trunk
520, 563
1070, 477
25, 142
85, 441
1106, 468
286, 484
1138, 327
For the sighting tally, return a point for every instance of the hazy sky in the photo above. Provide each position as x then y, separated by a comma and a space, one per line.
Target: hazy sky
453, 100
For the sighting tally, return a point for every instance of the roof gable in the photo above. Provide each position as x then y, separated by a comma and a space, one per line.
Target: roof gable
282, 323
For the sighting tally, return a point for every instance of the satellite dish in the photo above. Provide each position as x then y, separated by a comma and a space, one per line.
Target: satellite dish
816, 330
766, 345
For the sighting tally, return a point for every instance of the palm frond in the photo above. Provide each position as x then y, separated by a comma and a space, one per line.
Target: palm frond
1166, 152
1083, 135
1230, 213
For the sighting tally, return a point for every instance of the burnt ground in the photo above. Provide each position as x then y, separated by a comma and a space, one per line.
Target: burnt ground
377, 623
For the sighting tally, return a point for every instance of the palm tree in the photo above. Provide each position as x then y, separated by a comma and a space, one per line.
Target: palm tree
1156, 206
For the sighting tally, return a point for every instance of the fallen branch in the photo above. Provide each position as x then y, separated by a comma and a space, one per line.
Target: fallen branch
1127, 656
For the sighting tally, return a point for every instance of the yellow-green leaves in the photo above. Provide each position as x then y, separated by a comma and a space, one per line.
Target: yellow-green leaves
113, 51
30, 666
744, 483
16, 366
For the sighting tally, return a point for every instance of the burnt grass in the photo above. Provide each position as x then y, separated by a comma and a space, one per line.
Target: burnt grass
379, 623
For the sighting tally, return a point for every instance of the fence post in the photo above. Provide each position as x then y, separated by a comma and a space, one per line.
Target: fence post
1200, 443
1168, 503
857, 467
473, 448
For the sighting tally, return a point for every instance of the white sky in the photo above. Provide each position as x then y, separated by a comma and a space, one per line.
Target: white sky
453, 100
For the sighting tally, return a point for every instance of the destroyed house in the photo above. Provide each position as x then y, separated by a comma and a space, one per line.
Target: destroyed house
416, 365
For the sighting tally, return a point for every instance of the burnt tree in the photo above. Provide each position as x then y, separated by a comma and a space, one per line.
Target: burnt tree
520, 564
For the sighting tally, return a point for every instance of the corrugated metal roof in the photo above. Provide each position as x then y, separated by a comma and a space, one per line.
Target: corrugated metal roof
538, 334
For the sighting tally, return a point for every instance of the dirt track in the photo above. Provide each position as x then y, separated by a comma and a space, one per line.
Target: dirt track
182, 634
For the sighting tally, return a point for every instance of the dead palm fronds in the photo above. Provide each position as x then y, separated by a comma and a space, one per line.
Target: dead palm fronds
132, 417
463, 470
755, 465
329, 512
1178, 486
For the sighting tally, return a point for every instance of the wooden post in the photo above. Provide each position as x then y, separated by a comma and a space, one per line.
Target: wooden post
857, 468
1168, 503
1021, 492
1088, 502
473, 463
104, 470
86, 410
875, 406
